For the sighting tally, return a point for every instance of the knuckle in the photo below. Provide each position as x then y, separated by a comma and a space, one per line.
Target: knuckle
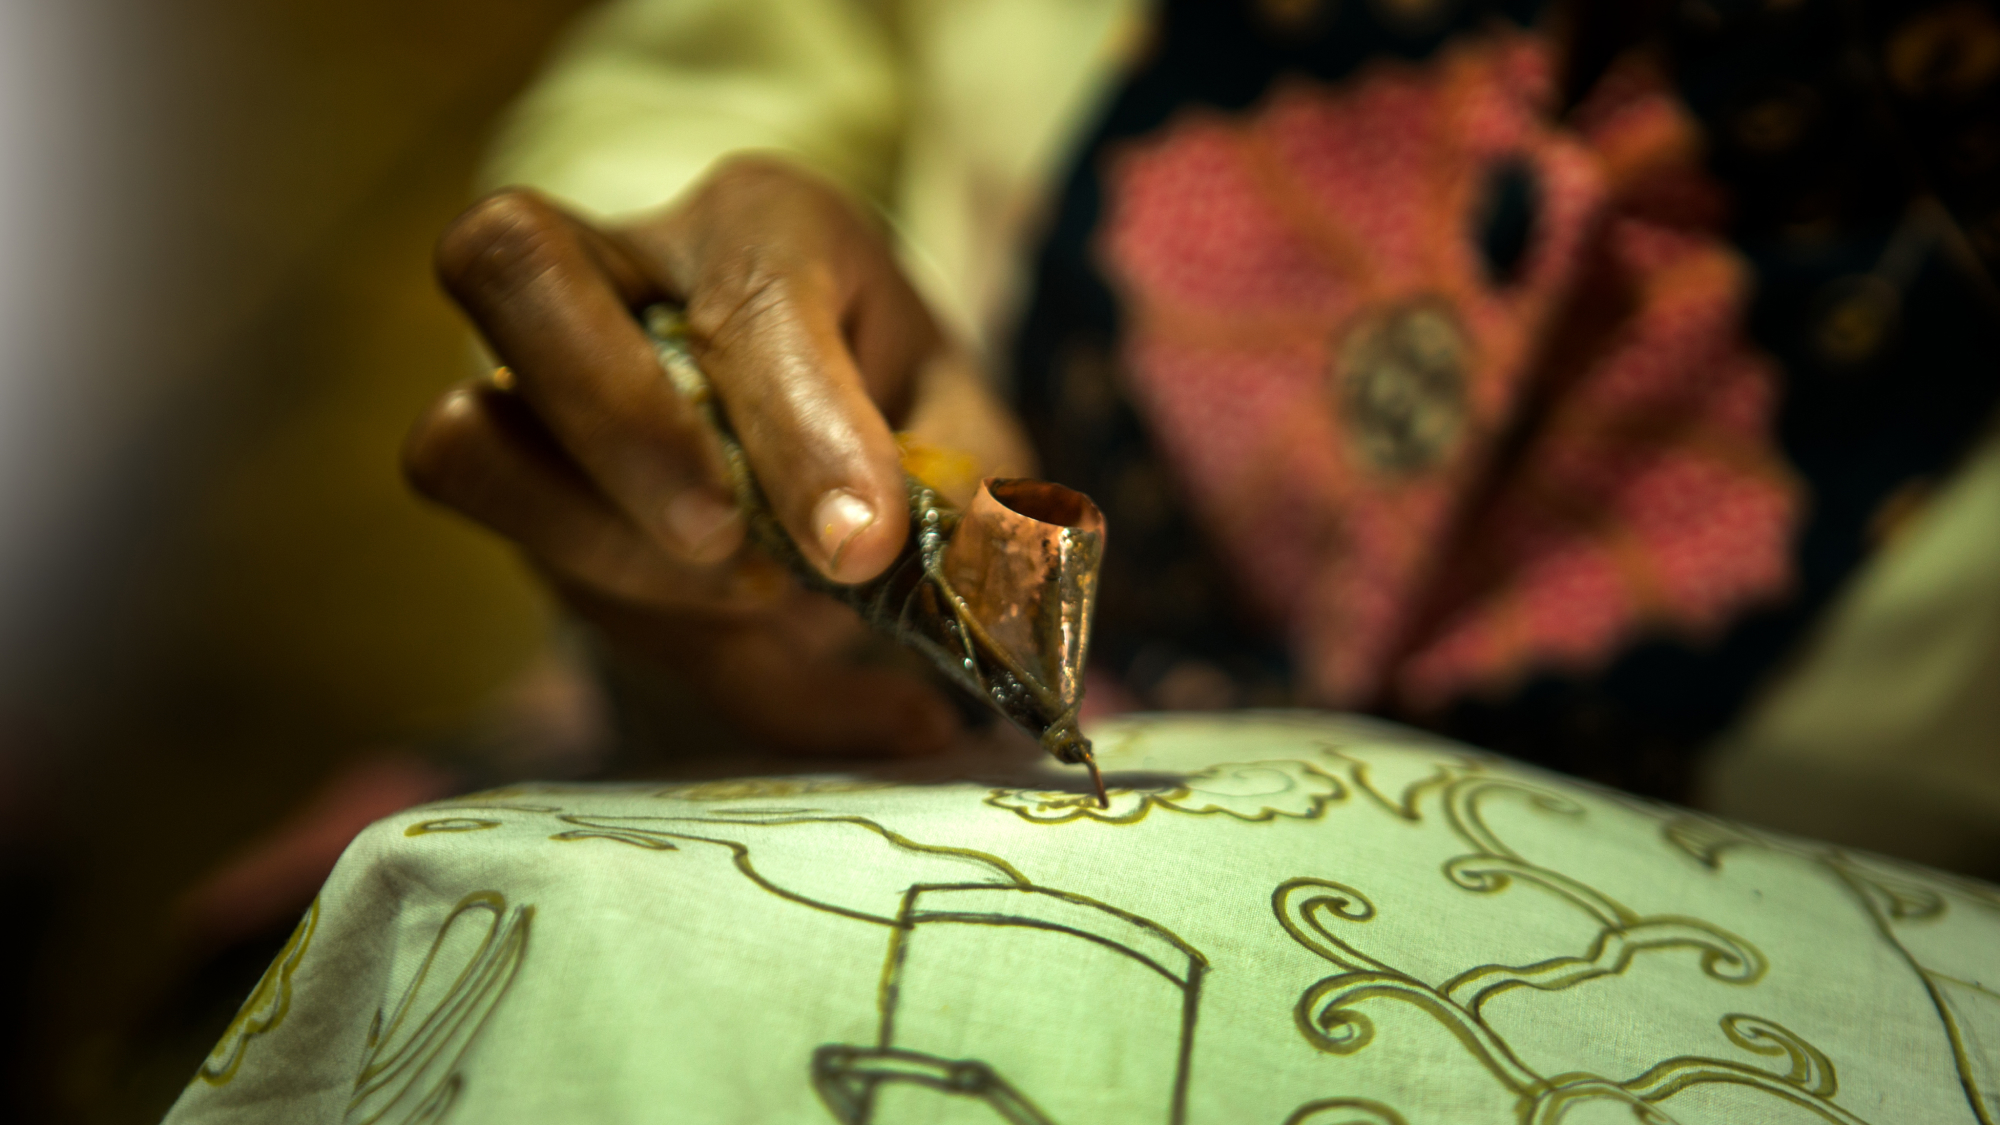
759, 290
753, 171
441, 446
500, 243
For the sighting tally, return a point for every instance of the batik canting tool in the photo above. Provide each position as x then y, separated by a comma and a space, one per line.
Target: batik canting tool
998, 597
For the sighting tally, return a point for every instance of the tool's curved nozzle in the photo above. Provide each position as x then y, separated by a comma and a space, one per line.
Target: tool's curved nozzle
1024, 560
1068, 745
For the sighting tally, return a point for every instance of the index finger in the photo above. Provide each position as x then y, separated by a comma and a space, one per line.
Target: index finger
811, 338
553, 297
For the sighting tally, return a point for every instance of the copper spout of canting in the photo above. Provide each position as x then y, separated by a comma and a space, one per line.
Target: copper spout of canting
1023, 563
1024, 559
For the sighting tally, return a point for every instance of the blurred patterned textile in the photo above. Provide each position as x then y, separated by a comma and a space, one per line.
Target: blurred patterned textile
1334, 369
1485, 366
1281, 917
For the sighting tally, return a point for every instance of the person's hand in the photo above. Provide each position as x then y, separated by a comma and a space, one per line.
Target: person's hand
584, 454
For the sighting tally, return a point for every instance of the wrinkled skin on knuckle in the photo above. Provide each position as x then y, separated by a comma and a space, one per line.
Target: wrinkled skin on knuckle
765, 207
499, 244
754, 291
831, 253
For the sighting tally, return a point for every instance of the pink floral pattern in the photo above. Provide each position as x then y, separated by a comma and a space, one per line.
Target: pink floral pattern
1611, 468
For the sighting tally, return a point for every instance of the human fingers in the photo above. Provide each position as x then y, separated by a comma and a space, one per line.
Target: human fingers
480, 450
812, 339
553, 298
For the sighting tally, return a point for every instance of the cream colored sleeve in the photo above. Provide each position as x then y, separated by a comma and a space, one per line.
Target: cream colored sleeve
645, 94
1881, 735
952, 117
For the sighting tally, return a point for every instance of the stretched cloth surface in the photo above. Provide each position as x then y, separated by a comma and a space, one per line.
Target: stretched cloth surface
1283, 917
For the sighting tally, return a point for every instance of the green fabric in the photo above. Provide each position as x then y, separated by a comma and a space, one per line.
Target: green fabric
1282, 918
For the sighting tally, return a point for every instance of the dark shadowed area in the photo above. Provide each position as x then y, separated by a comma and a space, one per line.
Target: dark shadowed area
236, 596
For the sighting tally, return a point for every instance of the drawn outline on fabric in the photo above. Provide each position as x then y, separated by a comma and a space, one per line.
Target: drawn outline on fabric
848, 1078
266, 1006
411, 1065
1887, 901
1327, 1015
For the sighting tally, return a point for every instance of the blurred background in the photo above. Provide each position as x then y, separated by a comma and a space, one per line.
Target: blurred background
217, 319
